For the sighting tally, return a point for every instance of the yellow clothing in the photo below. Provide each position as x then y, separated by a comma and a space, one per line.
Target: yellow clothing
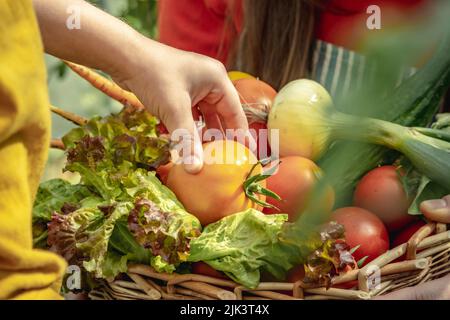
24, 139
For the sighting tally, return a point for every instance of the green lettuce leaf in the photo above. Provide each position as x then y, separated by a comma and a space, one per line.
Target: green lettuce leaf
96, 244
56, 195
104, 150
134, 218
242, 245
104, 143
82, 236
166, 234
246, 244
114, 264
104, 181
53, 194
144, 184
123, 242
65, 232
149, 225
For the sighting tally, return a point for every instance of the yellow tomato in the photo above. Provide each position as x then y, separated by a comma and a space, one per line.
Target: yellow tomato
217, 190
236, 75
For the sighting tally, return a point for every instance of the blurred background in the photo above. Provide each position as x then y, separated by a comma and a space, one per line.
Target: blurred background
69, 92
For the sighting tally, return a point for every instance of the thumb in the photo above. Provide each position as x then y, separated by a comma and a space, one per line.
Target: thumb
437, 210
184, 134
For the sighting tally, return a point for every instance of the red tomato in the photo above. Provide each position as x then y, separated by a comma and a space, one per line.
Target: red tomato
365, 229
346, 285
405, 234
294, 182
256, 95
380, 191
206, 270
296, 274
217, 190
163, 172
263, 150
161, 128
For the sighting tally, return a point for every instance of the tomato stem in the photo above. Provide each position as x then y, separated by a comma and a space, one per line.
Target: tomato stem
252, 188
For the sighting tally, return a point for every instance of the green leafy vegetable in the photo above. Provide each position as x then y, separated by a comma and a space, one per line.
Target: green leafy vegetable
95, 246
108, 142
161, 233
245, 244
56, 195
427, 190
413, 103
53, 194
65, 231
423, 187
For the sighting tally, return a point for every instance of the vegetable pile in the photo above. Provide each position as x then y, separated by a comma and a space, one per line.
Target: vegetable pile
121, 212
247, 221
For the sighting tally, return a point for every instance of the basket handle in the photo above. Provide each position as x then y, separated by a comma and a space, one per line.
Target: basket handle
413, 242
441, 227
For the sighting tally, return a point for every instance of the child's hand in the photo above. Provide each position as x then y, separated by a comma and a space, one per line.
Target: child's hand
169, 82
166, 80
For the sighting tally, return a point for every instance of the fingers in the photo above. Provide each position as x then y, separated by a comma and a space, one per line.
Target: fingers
224, 97
437, 210
180, 123
229, 108
222, 110
210, 116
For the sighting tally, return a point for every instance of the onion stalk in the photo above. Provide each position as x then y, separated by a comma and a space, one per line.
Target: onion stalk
308, 128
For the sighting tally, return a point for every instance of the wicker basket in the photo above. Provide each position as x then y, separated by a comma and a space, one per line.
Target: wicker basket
426, 257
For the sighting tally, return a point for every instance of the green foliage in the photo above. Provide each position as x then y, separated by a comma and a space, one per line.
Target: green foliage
141, 15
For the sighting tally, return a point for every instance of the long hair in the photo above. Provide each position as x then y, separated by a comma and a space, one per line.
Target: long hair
276, 40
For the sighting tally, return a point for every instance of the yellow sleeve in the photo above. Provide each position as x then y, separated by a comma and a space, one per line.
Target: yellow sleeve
25, 273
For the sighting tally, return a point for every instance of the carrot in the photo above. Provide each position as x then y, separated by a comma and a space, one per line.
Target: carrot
78, 120
105, 85
57, 144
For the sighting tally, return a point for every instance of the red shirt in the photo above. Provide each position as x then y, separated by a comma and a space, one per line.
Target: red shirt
198, 25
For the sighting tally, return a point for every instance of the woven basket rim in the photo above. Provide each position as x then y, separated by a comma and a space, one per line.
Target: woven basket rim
427, 256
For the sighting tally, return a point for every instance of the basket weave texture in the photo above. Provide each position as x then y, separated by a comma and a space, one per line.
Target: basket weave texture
425, 257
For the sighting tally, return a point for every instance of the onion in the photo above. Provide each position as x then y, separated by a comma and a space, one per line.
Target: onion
308, 123
296, 113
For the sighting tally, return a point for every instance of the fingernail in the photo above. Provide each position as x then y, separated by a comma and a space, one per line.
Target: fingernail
432, 205
192, 164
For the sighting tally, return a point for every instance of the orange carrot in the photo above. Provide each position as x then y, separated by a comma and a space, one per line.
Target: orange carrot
57, 144
78, 120
105, 85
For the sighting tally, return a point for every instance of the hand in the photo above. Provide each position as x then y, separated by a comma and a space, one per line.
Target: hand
170, 82
166, 80
437, 210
